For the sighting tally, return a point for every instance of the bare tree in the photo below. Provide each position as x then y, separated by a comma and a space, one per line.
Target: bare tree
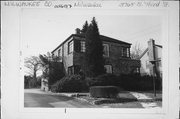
53, 70
136, 51
33, 63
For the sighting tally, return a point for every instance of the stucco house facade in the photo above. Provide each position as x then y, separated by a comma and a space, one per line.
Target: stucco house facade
116, 55
151, 60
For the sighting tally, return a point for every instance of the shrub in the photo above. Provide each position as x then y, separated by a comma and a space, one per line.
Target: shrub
131, 82
138, 83
30, 82
55, 72
104, 80
74, 83
104, 91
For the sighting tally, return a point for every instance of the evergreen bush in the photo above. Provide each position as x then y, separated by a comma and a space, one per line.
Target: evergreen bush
104, 80
104, 91
74, 83
138, 83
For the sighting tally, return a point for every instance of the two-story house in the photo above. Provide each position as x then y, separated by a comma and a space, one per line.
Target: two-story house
116, 55
151, 60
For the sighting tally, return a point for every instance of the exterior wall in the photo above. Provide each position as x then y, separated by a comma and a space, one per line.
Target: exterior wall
119, 64
115, 50
67, 59
57, 51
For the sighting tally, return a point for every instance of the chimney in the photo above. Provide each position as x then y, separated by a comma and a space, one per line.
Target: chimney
78, 31
151, 49
151, 52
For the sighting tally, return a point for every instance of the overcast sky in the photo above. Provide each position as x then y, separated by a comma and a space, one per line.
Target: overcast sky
44, 29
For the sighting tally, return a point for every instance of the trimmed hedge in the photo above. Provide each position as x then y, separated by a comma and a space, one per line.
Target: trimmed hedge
126, 82
74, 83
104, 91
103, 80
139, 83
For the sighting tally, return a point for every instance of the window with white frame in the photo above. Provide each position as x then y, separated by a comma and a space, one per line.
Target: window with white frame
70, 70
59, 52
108, 68
106, 50
70, 47
83, 48
125, 52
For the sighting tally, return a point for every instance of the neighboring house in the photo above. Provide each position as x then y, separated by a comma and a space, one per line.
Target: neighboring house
151, 60
116, 55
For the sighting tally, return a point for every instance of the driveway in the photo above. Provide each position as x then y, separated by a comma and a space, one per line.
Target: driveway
38, 98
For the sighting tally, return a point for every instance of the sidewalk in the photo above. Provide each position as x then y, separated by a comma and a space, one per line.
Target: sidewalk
137, 99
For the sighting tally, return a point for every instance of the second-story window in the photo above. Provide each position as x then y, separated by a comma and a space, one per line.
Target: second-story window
59, 53
83, 48
125, 52
70, 47
106, 50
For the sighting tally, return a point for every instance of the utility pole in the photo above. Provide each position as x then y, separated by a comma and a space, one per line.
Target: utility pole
154, 75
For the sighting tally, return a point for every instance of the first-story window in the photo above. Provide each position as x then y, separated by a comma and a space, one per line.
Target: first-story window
70, 70
108, 68
70, 47
77, 69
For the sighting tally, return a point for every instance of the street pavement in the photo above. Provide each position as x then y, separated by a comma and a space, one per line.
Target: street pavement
38, 98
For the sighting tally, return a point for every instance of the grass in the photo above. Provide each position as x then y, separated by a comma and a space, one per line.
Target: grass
124, 100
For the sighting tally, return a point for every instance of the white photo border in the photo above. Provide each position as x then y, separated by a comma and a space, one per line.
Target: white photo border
170, 42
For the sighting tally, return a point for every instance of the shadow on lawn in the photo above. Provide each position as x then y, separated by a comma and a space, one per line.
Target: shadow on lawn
42, 100
117, 100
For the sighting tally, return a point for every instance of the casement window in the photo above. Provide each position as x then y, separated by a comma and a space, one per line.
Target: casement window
70, 47
125, 52
70, 70
59, 53
106, 50
83, 48
74, 69
108, 68
77, 69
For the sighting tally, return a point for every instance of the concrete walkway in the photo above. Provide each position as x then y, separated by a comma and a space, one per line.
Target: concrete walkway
144, 100
141, 96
